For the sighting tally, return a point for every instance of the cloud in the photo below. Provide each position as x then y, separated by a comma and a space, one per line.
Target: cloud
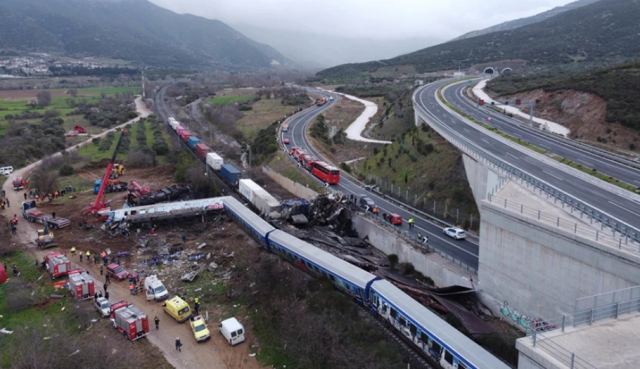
372, 19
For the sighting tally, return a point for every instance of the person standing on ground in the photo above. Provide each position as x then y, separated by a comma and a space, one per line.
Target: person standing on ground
6, 200
157, 321
196, 305
178, 344
411, 221
101, 269
106, 294
14, 224
25, 196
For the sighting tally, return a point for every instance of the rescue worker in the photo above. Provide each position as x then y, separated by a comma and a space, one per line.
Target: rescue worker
81, 254
14, 224
157, 321
88, 256
178, 344
73, 250
106, 294
196, 305
411, 221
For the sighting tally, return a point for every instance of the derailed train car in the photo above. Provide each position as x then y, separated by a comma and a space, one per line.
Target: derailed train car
425, 330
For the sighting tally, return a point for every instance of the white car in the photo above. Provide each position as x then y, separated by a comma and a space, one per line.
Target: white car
5, 171
103, 306
454, 232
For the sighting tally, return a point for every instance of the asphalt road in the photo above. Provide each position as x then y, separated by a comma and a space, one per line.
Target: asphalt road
591, 157
623, 208
465, 251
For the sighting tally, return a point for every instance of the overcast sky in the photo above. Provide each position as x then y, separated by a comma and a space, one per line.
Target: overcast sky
374, 19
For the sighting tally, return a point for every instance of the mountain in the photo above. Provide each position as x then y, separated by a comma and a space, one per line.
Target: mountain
517, 23
316, 51
606, 30
132, 30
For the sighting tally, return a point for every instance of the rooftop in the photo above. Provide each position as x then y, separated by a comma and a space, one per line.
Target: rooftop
606, 344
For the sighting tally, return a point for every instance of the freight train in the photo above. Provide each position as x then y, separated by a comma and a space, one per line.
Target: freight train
426, 331
228, 173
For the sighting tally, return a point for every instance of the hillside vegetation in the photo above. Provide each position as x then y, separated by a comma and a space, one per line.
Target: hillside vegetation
618, 86
423, 169
419, 167
598, 32
131, 30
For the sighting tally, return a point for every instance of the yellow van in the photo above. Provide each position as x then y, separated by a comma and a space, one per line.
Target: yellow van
177, 308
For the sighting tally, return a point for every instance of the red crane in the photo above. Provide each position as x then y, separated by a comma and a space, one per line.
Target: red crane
100, 204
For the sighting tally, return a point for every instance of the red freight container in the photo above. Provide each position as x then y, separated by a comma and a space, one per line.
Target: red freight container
131, 321
185, 135
57, 264
81, 285
202, 150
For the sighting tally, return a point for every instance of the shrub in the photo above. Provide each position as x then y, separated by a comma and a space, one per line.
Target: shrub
66, 170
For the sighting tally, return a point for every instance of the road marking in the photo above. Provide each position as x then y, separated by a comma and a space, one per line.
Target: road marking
554, 176
448, 242
623, 207
513, 156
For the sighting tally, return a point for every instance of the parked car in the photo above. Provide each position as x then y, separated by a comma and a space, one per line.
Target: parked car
393, 218
103, 306
154, 289
285, 141
199, 328
366, 203
117, 271
455, 233
232, 331
5, 171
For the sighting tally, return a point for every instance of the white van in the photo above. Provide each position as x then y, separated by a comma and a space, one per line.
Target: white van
154, 289
5, 171
232, 331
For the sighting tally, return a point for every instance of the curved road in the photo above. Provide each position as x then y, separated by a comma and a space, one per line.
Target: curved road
465, 251
591, 157
618, 206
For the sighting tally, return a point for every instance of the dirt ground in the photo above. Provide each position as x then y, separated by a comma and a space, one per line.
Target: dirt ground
212, 354
215, 353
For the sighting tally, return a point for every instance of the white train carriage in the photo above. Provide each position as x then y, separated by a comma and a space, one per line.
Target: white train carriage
437, 338
173, 123
347, 277
255, 225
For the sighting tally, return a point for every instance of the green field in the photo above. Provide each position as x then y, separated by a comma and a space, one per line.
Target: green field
230, 99
59, 102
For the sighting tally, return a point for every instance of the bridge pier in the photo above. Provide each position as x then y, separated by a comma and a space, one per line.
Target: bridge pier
538, 258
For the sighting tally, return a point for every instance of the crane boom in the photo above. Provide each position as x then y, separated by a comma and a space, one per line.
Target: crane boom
99, 203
